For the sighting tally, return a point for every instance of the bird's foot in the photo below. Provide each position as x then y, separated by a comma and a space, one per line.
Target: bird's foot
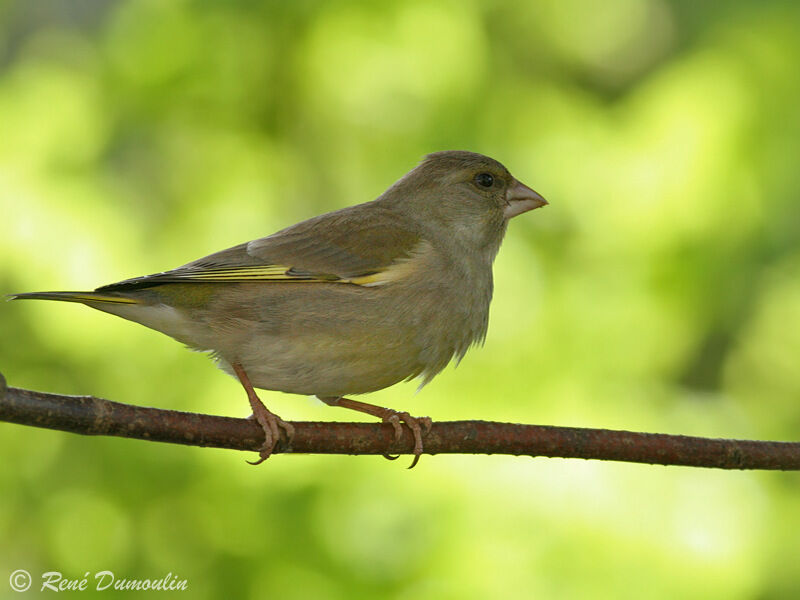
271, 424
269, 421
415, 424
394, 417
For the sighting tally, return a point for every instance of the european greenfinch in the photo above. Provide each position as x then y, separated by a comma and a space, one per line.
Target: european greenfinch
348, 302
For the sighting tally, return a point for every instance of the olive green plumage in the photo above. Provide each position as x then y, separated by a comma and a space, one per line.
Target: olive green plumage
347, 302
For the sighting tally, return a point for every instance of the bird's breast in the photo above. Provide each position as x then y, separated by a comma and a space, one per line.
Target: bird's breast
338, 339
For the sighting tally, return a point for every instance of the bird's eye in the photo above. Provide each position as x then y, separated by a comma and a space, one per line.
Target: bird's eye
484, 180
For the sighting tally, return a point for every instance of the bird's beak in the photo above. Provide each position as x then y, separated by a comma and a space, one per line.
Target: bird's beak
520, 198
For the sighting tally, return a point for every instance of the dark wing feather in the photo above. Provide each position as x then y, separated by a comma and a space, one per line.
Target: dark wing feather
339, 246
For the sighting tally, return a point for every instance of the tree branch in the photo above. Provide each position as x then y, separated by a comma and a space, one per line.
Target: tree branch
87, 415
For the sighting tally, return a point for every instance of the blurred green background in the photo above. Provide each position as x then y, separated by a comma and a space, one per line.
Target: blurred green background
660, 291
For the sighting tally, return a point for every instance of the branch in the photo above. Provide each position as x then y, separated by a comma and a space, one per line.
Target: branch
87, 415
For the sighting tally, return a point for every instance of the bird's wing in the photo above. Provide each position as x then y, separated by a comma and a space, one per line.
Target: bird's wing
355, 245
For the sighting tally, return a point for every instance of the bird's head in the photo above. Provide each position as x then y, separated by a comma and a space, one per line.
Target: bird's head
471, 194
479, 180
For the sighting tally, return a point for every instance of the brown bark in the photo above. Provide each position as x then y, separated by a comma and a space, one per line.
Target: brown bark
87, 415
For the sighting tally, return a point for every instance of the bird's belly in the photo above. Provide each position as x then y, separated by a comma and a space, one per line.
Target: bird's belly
327, 367
331, 340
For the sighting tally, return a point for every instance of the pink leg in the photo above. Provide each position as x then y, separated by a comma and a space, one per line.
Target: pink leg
269, 421
387, 415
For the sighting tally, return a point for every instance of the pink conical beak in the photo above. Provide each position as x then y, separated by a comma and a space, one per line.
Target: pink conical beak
520, 198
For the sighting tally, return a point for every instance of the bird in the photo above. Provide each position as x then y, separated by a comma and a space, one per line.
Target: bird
345, 303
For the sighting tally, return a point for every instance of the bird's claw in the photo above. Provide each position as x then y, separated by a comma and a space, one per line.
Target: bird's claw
416, 425
271, 424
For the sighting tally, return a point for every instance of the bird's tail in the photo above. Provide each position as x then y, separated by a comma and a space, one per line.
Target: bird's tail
81, 297
136, 306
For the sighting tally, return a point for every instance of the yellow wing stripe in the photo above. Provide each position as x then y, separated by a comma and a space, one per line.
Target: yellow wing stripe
367, 280
398, 270
269, 272
75, 297
104, 298
284, 274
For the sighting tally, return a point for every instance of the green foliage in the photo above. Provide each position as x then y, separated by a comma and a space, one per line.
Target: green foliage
660, 291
